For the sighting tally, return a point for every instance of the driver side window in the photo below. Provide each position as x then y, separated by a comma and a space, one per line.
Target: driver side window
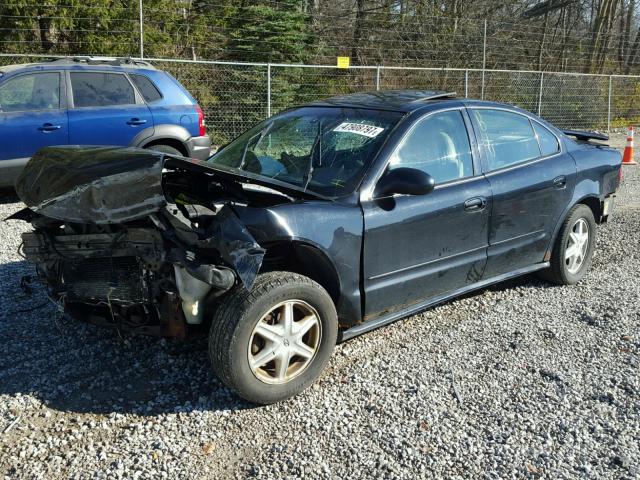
437, 145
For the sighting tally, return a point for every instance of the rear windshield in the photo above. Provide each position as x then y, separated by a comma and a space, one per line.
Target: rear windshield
325, 150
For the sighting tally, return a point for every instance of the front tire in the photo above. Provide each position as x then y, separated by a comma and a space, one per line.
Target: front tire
272, 342
573, 250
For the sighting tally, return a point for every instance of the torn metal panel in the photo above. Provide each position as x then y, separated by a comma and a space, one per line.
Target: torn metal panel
96, 185
222, 232
236, 245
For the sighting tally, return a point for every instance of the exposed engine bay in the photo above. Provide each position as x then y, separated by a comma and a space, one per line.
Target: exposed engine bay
137, 240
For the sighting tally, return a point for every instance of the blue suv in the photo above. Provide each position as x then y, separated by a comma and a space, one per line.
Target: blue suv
94, 101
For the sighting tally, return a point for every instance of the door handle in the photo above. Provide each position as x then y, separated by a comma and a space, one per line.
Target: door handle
475, 204
560, 182
48, 127
136, 121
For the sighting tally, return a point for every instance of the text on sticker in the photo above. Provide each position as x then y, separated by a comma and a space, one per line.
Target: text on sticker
360, 129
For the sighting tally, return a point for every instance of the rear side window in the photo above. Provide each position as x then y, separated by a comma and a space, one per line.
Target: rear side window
146, 87
507, 138
548, 141
38, 91
94, 89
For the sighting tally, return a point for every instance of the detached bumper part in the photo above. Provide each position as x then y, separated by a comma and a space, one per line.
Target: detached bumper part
193, 291
199, 147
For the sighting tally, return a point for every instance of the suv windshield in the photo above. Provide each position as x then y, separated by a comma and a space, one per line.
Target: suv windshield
325, 150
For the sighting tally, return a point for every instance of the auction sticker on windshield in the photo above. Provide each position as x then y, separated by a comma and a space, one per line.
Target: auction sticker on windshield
359, 129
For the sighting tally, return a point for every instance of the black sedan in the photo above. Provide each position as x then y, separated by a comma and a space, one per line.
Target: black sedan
316, 225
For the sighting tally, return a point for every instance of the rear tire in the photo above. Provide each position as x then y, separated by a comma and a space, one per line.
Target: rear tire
272, 342
166, 149
573, 250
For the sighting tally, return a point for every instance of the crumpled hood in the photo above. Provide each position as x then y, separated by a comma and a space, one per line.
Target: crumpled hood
100, 185
114, 184
93, 184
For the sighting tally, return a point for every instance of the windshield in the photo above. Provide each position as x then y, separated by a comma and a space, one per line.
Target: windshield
325, 150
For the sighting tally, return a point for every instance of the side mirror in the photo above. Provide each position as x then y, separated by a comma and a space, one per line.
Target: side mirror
405, 181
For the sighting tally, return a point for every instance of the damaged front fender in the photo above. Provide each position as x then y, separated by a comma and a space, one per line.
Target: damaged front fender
116, 230
111, 185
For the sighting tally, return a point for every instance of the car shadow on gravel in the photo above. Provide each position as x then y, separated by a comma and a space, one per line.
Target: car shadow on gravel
74, 367
8, 195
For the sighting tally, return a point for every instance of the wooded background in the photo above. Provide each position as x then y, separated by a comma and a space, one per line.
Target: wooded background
596, 36
501, 50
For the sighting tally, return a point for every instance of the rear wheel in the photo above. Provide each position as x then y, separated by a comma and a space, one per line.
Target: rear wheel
165, 149
272, 342
573, 250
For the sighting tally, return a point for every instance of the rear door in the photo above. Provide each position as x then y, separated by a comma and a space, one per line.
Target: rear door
32, 114
417, 247
106, 109
531, 179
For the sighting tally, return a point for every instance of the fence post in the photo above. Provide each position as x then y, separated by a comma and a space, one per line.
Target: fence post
268, 90
141, 32
466, 84
609, 107
378, 78
540, 93
484, 57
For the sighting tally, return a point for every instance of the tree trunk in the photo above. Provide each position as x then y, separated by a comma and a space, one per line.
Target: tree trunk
358, 30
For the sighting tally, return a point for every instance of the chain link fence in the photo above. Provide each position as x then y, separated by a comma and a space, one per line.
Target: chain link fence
234, 96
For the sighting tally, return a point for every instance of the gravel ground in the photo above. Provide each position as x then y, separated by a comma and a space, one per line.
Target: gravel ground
522, 380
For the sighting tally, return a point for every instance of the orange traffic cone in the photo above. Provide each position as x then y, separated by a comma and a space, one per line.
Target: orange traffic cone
627, 156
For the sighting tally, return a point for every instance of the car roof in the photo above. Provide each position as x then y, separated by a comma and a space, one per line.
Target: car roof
395, 100
107, 63
404, 100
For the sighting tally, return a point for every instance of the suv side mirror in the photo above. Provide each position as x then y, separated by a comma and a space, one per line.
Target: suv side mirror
405, 181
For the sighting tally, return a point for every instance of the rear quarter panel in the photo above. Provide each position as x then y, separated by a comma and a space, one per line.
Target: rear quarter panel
598, 168
597, 176
176, 107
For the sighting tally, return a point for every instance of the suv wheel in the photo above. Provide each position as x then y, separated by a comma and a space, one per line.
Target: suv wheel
165, 149
272, 342
573, 250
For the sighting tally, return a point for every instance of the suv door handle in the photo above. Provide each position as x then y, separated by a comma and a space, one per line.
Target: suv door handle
560, 182
136, 121
48, 127
475, 204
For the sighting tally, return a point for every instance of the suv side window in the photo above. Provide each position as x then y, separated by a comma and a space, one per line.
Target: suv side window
547, 140
96, 89
37, 91
146, 87
438, 145
507, 138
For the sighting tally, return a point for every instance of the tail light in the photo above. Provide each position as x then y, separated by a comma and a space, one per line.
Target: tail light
202, 127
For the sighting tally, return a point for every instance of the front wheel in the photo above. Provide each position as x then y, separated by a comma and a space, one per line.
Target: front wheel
573, 250
272, 342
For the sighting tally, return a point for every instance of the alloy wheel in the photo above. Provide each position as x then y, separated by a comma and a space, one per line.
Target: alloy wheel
577, 246
284, 342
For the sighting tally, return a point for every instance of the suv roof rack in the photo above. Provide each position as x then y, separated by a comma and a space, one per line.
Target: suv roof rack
115, 61
435, 95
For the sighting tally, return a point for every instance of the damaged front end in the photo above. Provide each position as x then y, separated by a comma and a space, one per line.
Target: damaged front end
121, 239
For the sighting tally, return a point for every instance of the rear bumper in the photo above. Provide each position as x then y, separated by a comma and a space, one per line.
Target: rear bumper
9, 171
199, 147
607, 207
